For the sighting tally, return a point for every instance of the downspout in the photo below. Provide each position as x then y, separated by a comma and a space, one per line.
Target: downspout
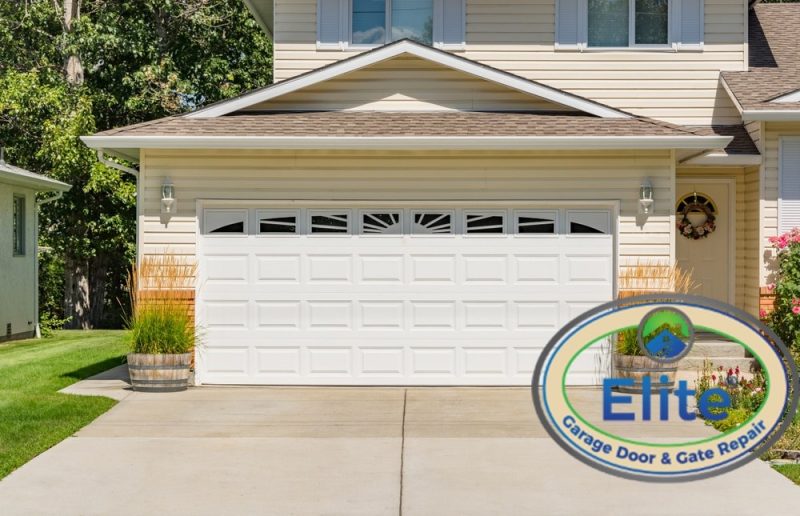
39, 204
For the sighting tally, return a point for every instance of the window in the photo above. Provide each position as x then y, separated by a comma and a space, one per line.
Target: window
589, 222
18, 225
789, 175
341, 23
484, 223
277, 222
222, 222
432, 223
536, 222
613, 24
622, 23
330, 222
411, 19
381, 223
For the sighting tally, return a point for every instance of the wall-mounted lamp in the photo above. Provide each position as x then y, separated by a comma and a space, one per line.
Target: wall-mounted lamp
646, 197
168, 197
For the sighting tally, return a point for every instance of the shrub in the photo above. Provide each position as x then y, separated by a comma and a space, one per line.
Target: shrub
785, 318
648, 277
49, 323
747, 394
161, 322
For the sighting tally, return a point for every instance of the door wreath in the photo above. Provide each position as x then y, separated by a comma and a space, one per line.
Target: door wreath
696, 215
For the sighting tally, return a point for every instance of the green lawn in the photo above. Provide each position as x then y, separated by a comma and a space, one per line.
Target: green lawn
791, 471
33, 415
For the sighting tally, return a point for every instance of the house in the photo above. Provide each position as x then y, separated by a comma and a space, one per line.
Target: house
431, 188
19, 266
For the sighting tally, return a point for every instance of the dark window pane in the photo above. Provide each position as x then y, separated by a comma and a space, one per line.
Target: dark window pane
536, 225
429, 223
369, 22
608, 23
329, 223
652, 22
381, 223
236, 227
485, 224
278, 225
576, 227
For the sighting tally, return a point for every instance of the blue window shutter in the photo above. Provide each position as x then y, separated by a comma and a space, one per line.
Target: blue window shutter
789, 173
329, 26
690, 22
568, 23
453, 22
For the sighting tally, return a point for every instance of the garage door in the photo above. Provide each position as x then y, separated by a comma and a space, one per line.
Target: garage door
434, 294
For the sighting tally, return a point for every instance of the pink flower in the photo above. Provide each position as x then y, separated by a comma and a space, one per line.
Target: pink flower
762, 313
737, 370
771, 286
796, 310
713, 378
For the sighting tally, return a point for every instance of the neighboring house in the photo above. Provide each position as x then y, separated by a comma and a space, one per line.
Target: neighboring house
19, 292
431, 210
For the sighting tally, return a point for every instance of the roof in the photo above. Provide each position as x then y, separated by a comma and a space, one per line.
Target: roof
741, 144
264, 13
17, 176
774, 61
408, 47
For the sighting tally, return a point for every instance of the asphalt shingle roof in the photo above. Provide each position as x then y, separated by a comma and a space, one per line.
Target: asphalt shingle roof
774, 59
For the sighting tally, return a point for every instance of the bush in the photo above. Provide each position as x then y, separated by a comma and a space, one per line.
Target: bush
785, 318
746, 395
161, 322
48, 324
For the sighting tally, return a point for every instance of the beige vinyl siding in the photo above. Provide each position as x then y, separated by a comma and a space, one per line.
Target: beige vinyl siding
773, 131
392, 176
518, 36
407, 83
746, 224
754, 129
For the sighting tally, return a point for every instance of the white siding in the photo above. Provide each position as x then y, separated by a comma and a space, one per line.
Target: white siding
518, 36
342, 175
17, 273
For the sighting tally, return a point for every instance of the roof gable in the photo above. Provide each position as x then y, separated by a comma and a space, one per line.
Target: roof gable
409, 49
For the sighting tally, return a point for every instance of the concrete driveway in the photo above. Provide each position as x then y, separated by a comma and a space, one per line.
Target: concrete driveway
372, 451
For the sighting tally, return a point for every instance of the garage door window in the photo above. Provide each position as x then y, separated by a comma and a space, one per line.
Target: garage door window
226, 222
272, 222
589, 222
536, 222
432, 223
487, 222
381, 223
330, 222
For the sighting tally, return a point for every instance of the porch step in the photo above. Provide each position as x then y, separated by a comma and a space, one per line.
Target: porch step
691, 363
716, 349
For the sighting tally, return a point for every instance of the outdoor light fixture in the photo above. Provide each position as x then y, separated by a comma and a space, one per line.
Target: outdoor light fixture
167, 197
646, 197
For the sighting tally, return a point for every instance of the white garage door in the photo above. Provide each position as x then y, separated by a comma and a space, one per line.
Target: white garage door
433, 294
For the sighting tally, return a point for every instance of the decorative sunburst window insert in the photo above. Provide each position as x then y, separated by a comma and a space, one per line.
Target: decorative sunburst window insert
433, 222
536, 222
225, 222
277, 222
485, 222
382, 222
329, 221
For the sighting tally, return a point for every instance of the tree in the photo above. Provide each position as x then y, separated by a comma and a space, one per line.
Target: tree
73, 67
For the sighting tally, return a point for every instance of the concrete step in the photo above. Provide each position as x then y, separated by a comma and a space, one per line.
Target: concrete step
719, 349
690, 363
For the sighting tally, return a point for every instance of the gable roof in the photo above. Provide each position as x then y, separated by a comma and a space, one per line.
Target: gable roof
264, 13
774, 65
18, 176
398, 48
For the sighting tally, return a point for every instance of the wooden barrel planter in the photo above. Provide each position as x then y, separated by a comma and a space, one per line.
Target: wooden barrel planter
637, 367
159, 373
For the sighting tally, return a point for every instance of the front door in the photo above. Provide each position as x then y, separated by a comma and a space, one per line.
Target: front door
709, 257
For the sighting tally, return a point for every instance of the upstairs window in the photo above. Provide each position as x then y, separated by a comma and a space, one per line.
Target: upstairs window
615, 24
18, 225
360, 23
624, 23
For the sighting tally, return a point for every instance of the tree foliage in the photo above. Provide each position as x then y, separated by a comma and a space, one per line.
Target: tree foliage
139, 60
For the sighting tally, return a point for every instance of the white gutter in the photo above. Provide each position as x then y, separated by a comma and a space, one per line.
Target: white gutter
39, 204
768, 115
723, 159
407, 142
113, 164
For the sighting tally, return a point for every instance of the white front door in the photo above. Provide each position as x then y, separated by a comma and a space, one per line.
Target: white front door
426, 294
710, 258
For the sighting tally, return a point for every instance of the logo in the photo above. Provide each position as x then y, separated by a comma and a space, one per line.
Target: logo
649, 393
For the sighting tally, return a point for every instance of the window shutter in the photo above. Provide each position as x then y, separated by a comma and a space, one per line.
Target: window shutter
689, 23
789, 202
449, 23
567, 23
329, 26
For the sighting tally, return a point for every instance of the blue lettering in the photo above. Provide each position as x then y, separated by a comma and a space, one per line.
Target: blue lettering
609, 399
705, 404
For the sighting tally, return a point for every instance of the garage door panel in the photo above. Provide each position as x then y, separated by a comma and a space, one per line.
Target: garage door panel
362, 309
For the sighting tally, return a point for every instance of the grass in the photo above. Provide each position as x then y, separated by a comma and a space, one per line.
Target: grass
790, 471
34, 416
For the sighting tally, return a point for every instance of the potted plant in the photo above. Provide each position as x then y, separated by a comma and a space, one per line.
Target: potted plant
629, 361
161, 325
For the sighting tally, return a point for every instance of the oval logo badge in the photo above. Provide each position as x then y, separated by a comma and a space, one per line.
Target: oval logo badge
645, 390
